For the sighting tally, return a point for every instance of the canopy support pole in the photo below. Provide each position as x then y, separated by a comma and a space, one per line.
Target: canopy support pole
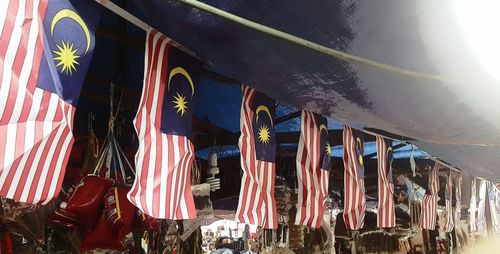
312, 45
140, 24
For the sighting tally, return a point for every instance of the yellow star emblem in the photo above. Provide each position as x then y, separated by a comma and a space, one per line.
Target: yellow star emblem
66, 57
180, 104
328, 149
264, 135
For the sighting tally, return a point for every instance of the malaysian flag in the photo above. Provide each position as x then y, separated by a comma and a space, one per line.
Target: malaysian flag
256, 204
429, 204
386, 217
45, 51
458, 200
448, 213
163, 124
493, 196
313, 169
472, 206
354, 183
481, 207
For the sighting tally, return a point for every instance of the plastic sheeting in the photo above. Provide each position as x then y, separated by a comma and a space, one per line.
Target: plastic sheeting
452, 120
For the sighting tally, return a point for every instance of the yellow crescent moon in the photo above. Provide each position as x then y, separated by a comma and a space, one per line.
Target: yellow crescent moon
323, 127
360, 156
66, 13
358, 140
265, 109
183, 72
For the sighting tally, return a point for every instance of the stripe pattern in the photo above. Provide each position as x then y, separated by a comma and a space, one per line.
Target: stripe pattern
472, 206
458, 200
256, 204
163, 161
386, 217
448, 213
312, 178
481, 207
35, 124
354, 185
429, 203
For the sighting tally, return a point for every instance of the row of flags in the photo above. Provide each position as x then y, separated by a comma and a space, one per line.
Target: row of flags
483, 191
256, 204
45, 51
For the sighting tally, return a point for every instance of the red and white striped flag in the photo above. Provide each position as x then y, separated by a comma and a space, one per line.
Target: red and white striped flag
313, 169
386, 217
458, 200
163, 124
256, 204
429, 204
43, 63
481, 207
354, 183
448, 213
473, 206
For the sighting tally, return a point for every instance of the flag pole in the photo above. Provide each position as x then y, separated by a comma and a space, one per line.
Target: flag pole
315, 46
140, 24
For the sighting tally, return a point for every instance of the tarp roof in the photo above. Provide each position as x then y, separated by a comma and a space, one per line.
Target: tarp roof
455, 120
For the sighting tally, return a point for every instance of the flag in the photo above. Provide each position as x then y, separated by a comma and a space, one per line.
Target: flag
472, 206
429, 204
45, 51
386, 217
161, 188
313, 169
493, 195
458, 200
256, 204
481, 207
354, 183
448, 213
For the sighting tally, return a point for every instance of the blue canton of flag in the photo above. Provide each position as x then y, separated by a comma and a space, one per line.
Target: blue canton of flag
390, 158
68, 47
179, 99
263, 127
325, 148
359, 137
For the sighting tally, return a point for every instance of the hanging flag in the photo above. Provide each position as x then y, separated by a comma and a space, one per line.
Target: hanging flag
313, 169
429, 204
481, 207
257, 144
354, 184
386, 217
448, 213
472, 206
45, 51
493, 195
458, 200
163, 124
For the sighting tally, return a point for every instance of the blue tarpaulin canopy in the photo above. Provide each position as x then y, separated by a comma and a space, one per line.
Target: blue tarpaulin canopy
438, 92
